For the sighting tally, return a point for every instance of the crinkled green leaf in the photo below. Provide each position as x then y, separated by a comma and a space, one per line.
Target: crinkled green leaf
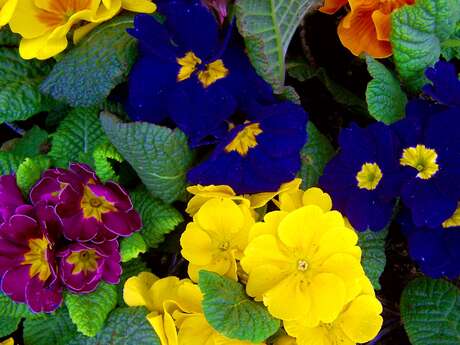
430, 310
450, 48
231, 312
102, 156
78, 134
8, 325
9, 162
125, 326
385, 98
89, 312
158, 218
8, 38
8, 308
314, 155
417, 34
56, 329
130, 269
19, 94
160, 156
86, 74
373, 258
267, 27
131, 247
302, 71
30, 171
31, 144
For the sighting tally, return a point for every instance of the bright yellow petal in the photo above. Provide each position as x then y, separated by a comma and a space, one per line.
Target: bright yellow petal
328, 294
220, 216
261, 199
262, 279
306, 335
223, 264
337, 240
82, 31
195, 330
349, 269
287, 300
290, 201
104, 13
285, 340
141, 6
25, 20
268, 226
197, 246
361, 321
189, 297
136, 291
7, 11
170, 329
315, 196
162, 290
158, 325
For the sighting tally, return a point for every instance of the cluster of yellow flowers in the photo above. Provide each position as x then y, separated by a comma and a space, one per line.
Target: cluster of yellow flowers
302, 261
44, 24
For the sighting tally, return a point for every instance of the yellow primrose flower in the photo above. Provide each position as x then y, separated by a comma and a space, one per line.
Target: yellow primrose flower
295, 198
201, 194
9, 341
358, 322
163, 298
44, 24
7, 8
304, 264
217, 237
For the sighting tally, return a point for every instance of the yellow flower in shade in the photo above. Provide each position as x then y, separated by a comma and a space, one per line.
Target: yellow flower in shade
358, 322
176, 313
285, 340
201, 194
217, 237
44, 24
303, 264
9, 341
7, 8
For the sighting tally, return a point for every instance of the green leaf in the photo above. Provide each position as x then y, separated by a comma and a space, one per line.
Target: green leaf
385, 99
450, 48
373, 258
125, 326
231, 312
30, 171
314, 155
8, 308
89, 312
131, 247
78, 134
8, 325
19, 94
8, 38
9, 162
101, 156
56, 329
160, 156
130, 269
86, 74
158, 218
267, 27
31, 143
417, 34
430, 310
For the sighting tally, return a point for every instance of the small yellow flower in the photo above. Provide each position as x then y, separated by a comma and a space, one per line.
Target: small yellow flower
303, 264
44, 24
358, 322
217, 237
7, 8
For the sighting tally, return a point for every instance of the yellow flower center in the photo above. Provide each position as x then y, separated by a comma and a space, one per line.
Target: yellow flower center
245, 140
422, 159
454, 220
94, 206
302, 265
37, 259
84, 261
209, 75
224, 246
58, 12
369, 176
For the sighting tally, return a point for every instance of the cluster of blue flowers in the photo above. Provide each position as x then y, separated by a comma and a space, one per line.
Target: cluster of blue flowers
205, 85
416, 160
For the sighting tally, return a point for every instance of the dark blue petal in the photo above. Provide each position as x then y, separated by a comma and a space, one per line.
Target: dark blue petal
446, 85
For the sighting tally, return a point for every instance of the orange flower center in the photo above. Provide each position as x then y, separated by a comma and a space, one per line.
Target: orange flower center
58, 12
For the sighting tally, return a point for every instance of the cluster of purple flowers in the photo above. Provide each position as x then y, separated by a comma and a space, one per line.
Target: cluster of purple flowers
416, 159
65, 238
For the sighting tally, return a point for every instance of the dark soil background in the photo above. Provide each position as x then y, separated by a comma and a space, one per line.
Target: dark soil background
317, 42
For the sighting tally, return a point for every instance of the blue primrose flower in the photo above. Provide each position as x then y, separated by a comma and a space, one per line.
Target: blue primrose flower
187, 73
435, 250
364, 178
445, 87
259, 155
430, 158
